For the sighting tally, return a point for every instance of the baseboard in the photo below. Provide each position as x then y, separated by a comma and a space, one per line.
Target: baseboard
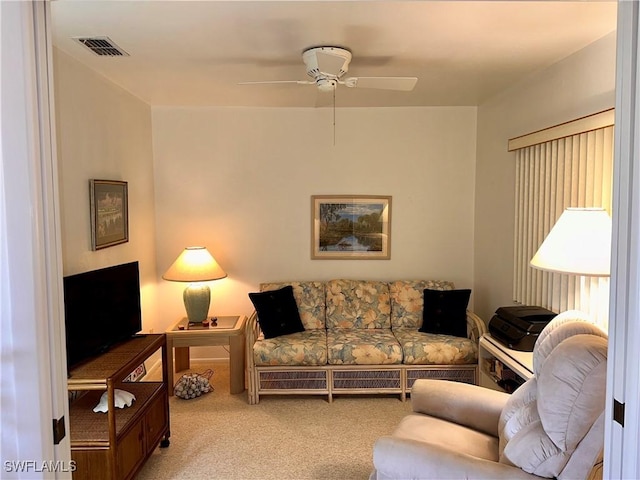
209, 360
154, 365
154, 370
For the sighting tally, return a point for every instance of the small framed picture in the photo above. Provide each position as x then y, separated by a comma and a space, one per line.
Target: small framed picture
109, 213
351, 227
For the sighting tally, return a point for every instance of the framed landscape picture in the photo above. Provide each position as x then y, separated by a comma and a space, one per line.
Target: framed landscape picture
109, 213
351, 227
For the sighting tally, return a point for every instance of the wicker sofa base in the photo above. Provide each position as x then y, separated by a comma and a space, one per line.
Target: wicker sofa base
332, 380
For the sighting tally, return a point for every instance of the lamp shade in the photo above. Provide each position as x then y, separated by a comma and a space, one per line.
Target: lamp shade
194, 264
579, 243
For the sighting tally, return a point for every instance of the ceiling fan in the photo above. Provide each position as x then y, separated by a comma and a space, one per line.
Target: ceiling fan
327, 67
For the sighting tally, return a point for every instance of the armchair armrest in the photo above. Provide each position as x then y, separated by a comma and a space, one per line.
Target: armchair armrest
395, 457
469, 405
475, 326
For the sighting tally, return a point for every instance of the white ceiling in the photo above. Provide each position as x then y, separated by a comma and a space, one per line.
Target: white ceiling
193, 53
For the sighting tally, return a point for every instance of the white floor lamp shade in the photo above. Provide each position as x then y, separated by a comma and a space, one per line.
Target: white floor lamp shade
579, 244
195, 265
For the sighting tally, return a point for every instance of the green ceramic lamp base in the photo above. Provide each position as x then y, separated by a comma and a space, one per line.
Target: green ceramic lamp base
197, 297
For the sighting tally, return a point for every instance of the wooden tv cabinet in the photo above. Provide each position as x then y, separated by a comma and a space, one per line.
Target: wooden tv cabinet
115, 445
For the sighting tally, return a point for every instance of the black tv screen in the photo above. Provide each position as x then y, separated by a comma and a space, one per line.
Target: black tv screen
102, 308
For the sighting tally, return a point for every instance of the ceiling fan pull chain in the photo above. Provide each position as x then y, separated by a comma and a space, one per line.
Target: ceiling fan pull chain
334, 115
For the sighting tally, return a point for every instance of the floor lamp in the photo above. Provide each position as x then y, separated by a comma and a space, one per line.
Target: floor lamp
579, 244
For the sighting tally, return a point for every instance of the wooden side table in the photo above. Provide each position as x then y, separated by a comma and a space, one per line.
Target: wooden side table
229, 331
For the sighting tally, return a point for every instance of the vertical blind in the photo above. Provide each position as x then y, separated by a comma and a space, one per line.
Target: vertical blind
552, 175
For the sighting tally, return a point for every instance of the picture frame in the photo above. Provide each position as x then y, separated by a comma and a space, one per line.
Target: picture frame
109, 205
351, 227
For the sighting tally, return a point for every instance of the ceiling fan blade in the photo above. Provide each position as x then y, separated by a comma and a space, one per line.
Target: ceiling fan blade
299, 82
384, 83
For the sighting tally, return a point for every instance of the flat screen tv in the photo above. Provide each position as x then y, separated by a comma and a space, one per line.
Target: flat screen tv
102, 308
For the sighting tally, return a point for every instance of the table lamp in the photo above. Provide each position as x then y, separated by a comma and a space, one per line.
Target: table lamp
195, 265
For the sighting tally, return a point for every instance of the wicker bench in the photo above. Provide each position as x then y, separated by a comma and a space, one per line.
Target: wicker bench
360, 337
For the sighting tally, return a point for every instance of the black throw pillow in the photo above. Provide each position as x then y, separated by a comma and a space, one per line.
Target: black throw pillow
277, 312
445, 312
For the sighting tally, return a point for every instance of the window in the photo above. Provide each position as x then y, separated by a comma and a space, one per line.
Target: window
569, 165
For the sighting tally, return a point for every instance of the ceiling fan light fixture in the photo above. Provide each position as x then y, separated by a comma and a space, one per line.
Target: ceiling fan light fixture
332, 61
326, 84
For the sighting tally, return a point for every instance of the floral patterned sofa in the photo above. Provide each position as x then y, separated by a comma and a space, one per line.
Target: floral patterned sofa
359, 337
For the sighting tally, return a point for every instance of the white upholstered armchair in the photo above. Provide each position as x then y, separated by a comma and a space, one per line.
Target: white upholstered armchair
551, 427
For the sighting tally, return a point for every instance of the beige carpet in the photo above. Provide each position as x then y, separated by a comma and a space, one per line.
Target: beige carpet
220, 436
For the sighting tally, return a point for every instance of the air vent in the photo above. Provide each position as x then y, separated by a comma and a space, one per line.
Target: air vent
102, 46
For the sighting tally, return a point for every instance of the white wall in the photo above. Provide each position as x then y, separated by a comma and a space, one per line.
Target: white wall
579, 85
104, 133
239, 181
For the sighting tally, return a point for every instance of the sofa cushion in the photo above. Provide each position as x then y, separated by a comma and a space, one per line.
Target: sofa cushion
358, 304
277, 312
432, 349
407, 300
445, 312
303, 348
310, 298
363, 347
